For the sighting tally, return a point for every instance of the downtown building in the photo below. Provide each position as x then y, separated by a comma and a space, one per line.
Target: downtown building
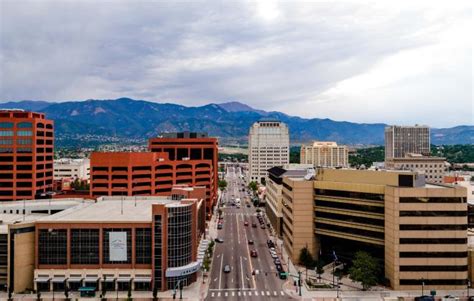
170, 161
26, 155
417, 230
402, 140
324, 154
140, 243
434, 168
269, 146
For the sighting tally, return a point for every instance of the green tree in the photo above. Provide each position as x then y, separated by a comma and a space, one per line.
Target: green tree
222, 184
365, 269
295, 154
253, 186
306, 259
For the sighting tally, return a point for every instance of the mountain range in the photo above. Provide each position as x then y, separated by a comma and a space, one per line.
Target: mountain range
125, 119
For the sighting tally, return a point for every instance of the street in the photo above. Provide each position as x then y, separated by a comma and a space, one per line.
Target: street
235, 251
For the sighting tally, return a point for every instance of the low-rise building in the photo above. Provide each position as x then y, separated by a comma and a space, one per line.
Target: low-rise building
418, 230
66, 168
118, 242
434, 168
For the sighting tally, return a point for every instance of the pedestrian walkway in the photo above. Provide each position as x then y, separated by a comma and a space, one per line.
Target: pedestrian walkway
245, 293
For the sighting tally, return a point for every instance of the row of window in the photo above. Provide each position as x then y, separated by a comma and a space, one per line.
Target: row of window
350, 194
433, 254
433, 213
433, 268
442, 227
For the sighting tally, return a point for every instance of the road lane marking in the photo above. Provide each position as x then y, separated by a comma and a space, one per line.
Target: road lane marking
233, 294
245, 293
218, 294
212, 294
263, 293
238, 294
238, 233
256, 293
215, 279
220, 271
242, 272
282, 293
275, 293
268, 293
226, 294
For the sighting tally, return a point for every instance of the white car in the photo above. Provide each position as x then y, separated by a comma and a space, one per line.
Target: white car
274, 255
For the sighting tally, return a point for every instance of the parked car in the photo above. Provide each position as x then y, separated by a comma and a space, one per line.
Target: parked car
246, 223
250, 242
220, 226
226, 268
269, 243
273, 255
253, 253
277, 261
263, 227
279, 267
254, 225
219, 240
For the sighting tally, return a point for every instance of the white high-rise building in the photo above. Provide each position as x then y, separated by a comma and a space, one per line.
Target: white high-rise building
71, 169
269, 146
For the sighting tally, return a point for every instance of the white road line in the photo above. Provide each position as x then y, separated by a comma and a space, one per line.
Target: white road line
242, 272
256, 293
220, 271
268, 293
233, 294
244, 293
215, 279
263, 293
238, 294
232, 280
238, 234
226, 294
212, 294
275, 293
282, 293
218, 294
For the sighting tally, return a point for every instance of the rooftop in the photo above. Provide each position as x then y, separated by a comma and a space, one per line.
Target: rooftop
113, 209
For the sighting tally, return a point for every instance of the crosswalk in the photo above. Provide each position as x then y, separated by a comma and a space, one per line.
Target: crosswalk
230, 294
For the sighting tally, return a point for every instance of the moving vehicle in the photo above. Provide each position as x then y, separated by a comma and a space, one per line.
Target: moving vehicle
270, 243
219, 240
254, 225
250, 242
226, 268
246, 223
220, 226
253, 253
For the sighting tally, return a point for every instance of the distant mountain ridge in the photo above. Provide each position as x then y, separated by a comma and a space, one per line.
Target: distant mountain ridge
125, 118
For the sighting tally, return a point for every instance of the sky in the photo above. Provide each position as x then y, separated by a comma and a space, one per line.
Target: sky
397, 62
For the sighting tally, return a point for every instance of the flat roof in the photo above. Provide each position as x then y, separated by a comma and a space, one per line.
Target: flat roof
43, 202
113, 209
11, 219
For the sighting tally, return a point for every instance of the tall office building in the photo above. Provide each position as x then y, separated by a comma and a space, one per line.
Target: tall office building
417, 230
401, 140
269, 146
325, 154
26, 155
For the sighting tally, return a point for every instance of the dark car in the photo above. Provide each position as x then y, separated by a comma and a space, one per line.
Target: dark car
253, 253
269, 243
246, 223
219, 226
279, 267
277, 261
283, 275
254, 225
424, 298
250, 242
219, 240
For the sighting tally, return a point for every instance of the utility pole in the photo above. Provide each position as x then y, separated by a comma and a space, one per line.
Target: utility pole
299, 280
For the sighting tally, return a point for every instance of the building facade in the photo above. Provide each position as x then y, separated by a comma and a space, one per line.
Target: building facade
401, 140
269, 146
417, 230
148, 173
26, 155
196, 149
325, 154
121, 243
434, 168
66, 168
273, 192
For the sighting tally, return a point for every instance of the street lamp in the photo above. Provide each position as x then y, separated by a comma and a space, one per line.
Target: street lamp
422, 286
468, 286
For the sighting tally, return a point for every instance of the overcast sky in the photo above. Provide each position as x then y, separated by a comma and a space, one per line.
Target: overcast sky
400, 62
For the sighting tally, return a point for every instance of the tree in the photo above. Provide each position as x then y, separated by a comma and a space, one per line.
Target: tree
319, 268
38, 295
365, 269
253, 186
129, 294
306, 259
222, 184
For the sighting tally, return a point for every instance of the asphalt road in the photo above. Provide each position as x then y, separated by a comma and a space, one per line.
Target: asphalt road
239, 283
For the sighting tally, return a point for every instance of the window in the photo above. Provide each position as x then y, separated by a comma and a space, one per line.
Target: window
143, 246
24, 133
432, 200
433, 254
6, 125
435, 241
52, 248
433, 213
6, 133
443, 227
85, 246
24, 125
24, 141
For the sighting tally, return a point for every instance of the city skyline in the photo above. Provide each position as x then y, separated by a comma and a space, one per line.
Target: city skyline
376, 61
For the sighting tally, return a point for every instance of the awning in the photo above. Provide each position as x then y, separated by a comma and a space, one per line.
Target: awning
58, 279
42, 279
91, 278
142, 279
108, 279
74, 279
124, 279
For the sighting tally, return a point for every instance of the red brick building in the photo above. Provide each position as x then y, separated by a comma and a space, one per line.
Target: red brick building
172, 161
26, 155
